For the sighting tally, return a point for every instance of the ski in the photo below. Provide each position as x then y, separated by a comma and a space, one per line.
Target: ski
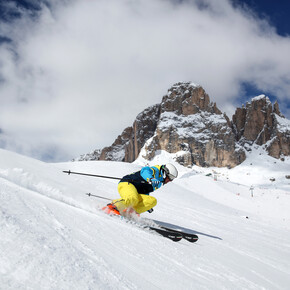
169, 233
165, 233
173, 236
192, 238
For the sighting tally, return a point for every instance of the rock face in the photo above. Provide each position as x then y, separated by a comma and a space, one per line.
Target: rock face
128, 145
188, 124
195, 128
262, 124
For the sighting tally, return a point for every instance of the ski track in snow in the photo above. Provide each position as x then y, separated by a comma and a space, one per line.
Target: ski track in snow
54, 237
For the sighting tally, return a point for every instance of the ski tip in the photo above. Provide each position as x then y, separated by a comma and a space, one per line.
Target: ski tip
191, 239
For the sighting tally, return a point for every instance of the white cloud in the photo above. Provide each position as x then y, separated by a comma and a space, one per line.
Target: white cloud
77, 76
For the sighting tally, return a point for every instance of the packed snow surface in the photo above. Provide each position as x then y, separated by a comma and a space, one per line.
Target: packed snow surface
53, 236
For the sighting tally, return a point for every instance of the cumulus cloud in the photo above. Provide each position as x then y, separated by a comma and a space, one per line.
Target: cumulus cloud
74, 77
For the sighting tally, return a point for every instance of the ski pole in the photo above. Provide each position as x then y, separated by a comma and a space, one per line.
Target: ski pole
89, 194
87, 174
101, 176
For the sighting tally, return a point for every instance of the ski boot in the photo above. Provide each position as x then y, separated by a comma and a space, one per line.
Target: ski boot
111, 209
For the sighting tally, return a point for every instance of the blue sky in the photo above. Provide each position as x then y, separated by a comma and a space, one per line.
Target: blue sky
277, 14
74, 74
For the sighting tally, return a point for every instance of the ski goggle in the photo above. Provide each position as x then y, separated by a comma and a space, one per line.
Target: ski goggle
167, 174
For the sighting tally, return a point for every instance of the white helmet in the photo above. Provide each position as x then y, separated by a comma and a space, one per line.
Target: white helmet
170, 171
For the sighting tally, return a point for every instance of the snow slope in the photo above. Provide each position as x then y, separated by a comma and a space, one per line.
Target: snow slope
53, 236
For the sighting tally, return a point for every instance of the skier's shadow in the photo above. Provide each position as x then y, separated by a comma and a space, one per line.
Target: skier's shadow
176, 227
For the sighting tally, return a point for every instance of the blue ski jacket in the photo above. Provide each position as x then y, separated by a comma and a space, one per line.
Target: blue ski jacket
145, 174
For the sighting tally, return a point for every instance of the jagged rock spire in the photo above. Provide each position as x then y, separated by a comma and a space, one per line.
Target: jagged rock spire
263, 124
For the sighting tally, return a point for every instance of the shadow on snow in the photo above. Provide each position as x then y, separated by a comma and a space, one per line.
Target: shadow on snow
190, 231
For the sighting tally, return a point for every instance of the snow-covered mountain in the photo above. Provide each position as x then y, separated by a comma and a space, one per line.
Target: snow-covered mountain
188, 124
262, 123
53, 236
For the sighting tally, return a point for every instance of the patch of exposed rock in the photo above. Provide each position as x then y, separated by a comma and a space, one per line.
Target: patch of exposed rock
262, 123
128, 145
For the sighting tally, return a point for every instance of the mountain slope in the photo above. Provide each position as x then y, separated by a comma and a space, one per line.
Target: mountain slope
54, 237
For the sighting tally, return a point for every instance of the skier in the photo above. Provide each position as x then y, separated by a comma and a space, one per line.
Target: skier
135, 188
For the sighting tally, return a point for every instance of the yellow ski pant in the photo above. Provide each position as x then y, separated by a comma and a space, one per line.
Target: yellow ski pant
131, 198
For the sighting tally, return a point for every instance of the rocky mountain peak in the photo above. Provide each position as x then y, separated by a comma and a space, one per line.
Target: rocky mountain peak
186, 98
262, 123
191, 127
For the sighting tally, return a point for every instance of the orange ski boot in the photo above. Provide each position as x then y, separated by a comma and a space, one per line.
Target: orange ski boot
111, 209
